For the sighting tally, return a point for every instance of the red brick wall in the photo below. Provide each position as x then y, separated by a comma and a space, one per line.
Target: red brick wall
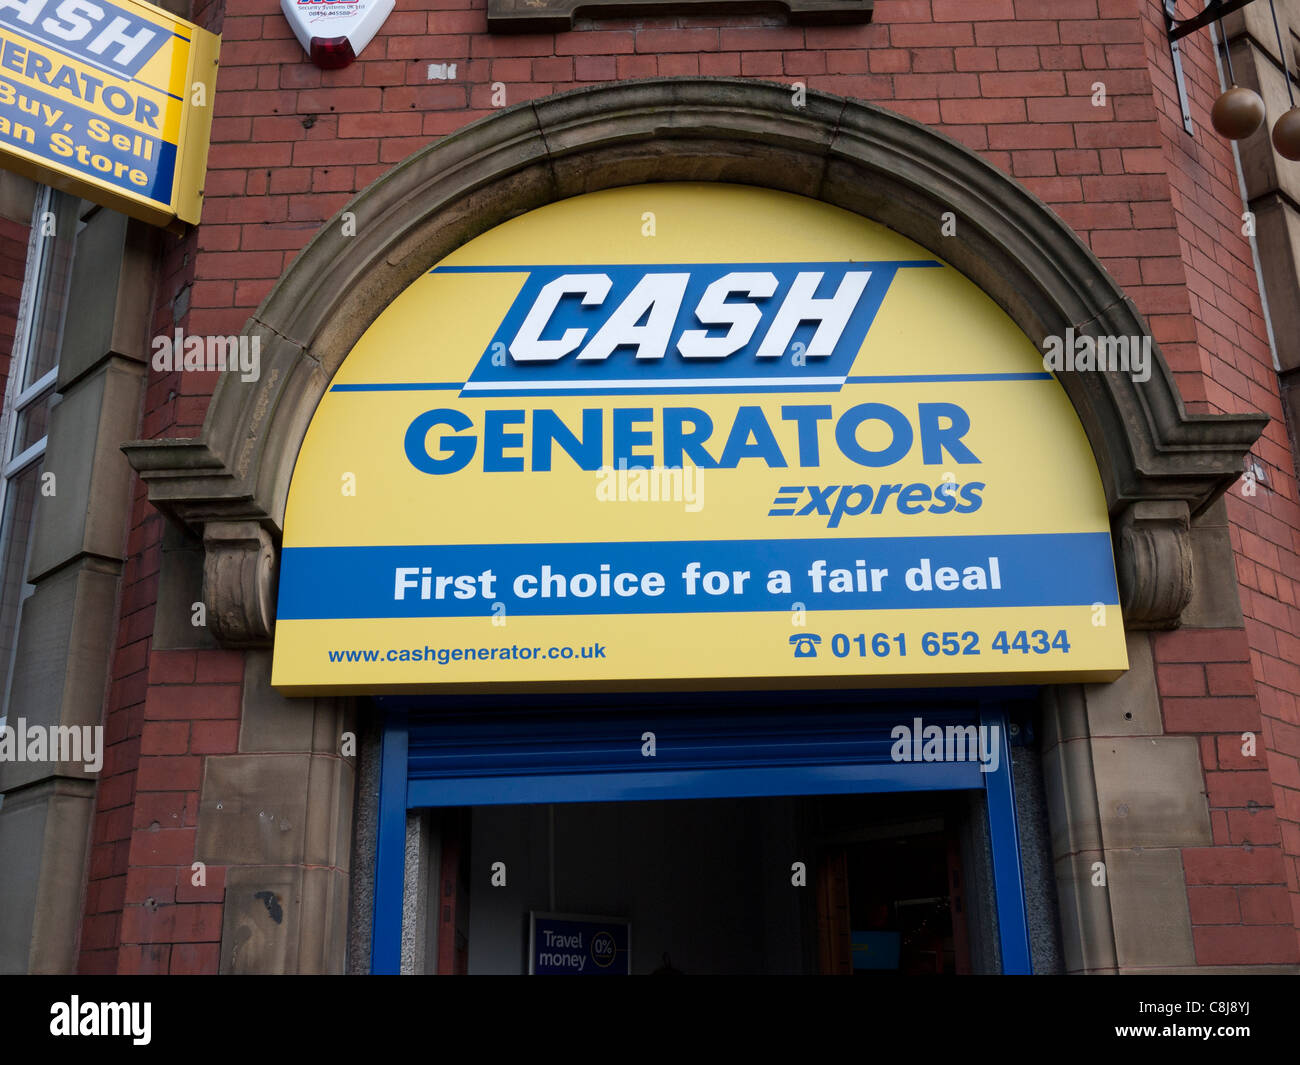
170, 923
110, 844
1011, 79
1236, 889
166, 711
1231, 371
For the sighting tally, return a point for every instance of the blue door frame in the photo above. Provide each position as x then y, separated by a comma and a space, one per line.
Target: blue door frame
437, 753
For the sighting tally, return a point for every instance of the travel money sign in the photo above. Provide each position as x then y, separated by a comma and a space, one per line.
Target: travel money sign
693, 435
110, 101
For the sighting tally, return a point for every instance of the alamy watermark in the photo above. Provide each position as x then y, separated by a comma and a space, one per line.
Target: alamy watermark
918, 742
241, 354
102, 1018
53, 743
653, 484
1070, 353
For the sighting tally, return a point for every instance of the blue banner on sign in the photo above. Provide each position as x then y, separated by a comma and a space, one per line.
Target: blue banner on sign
675, 577
50, 127
579, 946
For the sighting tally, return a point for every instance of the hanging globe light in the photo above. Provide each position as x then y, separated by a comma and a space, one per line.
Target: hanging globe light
1286, 135
1286, 130
1237, 113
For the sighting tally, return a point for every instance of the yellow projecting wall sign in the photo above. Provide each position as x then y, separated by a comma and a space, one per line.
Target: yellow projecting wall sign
693, 435
110, 101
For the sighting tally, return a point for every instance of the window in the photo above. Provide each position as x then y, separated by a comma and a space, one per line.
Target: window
548, 16
29, 397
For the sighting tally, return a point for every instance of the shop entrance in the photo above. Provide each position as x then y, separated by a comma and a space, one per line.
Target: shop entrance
862, 884
751, 833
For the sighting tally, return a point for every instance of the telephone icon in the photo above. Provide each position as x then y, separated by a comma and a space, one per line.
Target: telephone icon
805, 646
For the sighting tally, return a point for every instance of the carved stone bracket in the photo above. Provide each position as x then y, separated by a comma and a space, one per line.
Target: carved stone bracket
239, 582
1153, 560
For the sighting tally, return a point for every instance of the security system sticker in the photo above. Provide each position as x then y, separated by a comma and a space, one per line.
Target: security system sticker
334, 32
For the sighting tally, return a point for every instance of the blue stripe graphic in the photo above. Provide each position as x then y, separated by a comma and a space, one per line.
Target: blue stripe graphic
1042, 569
879, 379
412, 386
891, 264
937, 378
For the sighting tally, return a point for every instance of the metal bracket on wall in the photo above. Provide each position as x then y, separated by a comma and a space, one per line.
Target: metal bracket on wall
1020, 727
1176, 29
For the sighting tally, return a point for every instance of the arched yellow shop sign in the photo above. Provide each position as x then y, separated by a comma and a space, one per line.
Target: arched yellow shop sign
693, 436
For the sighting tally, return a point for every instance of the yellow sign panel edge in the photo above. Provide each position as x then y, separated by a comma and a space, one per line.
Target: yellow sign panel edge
715, 684
196, 128
817, 683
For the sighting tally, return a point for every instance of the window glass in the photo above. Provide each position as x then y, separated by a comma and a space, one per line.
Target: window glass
30, 396
20, 505
54, 230
32, 420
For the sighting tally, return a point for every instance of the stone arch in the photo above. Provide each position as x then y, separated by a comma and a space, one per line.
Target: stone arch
1159, 465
